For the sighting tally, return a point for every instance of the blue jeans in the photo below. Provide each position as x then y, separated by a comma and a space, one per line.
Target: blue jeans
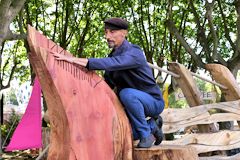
138, 106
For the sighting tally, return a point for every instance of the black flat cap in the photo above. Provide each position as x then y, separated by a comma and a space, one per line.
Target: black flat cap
116, 24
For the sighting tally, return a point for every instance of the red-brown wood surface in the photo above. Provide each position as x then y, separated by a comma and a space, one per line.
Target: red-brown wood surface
87, 120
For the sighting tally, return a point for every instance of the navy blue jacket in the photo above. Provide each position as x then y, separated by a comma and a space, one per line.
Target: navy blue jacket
126, 67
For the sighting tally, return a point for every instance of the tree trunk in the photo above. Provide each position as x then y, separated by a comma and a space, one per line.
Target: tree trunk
8, 11
1, 108
87, 119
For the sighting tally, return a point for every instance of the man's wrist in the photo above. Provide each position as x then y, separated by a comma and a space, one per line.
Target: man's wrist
72, 60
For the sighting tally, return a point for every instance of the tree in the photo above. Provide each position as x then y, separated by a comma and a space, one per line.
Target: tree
213, 40
12, 97
166, 30
9, 9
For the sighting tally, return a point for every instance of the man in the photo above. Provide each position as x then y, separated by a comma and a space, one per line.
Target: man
127, 71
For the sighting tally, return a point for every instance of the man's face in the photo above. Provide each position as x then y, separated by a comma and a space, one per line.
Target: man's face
115, 37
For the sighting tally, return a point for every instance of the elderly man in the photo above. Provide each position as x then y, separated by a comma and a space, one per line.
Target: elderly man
127, 71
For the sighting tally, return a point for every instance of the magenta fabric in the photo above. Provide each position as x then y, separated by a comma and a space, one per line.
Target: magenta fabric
28, 133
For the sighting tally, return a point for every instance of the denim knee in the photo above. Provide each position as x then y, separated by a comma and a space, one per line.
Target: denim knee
125, 94
127, 97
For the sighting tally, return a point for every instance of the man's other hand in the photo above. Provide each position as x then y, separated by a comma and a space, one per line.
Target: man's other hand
62, 57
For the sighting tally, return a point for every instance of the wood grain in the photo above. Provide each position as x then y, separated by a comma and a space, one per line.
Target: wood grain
176, 119
222, 75
187, 84
166, 152
87, 120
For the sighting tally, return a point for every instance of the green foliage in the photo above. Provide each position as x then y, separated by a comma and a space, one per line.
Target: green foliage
9, 126
78, 27
14, 62
173, 103
12, 97
203, 86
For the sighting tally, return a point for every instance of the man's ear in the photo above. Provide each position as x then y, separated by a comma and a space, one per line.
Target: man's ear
124, 33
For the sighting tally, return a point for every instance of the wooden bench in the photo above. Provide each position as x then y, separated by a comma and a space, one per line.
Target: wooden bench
199, 115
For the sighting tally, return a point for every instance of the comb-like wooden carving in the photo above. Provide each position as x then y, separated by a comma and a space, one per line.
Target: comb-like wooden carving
87, 120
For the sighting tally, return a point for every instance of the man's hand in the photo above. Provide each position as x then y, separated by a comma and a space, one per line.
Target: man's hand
80, 61
62, 57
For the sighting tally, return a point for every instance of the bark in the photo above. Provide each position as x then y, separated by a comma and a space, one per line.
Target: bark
215, 54
68, 10
233, 63
15, 63
1, 108
200, 30
172, 28
138, 29
226, 29
8, 11
141, 19
56, 21
237, 6
209, 8
1, 52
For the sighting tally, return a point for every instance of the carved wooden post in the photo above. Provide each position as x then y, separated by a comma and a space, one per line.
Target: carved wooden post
221, 74
189, 89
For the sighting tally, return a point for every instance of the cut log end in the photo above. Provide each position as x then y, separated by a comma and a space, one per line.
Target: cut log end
166, 152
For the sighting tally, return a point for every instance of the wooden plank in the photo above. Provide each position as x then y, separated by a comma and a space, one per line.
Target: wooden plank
235, 157
203, 119
175, 115
171, 115
221, 138
207, 142
204, 148
175, 119
87, 119
166, 152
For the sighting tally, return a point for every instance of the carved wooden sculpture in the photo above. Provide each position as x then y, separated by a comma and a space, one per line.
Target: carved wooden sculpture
187, 84
222, 75
87, 120
189, 89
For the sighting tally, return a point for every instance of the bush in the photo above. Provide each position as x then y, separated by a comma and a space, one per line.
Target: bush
9, 127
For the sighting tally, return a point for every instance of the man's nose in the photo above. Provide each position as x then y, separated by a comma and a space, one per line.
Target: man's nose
107, 35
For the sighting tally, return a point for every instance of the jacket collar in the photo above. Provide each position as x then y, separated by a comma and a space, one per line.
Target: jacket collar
121, 48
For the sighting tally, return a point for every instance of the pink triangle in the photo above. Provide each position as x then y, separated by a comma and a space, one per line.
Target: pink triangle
28, 132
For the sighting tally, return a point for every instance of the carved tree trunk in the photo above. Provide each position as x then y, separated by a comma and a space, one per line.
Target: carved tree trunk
87, 119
